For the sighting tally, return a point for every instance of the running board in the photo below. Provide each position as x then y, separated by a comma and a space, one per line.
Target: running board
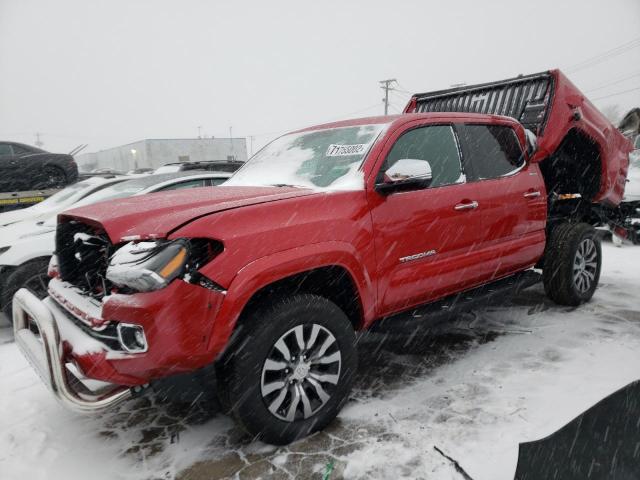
431, 314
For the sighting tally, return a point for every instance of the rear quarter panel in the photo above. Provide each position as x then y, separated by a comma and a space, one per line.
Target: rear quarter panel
571, 109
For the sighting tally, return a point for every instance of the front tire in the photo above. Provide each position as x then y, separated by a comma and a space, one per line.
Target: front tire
31, 275
572, 264
290, 368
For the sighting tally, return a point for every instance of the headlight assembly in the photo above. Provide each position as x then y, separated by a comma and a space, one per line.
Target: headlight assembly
151, 265
148, 266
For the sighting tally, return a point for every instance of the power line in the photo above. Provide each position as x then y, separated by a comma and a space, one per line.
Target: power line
601, 57
401, 93
615, 82
263, 134
404, 89
616, 94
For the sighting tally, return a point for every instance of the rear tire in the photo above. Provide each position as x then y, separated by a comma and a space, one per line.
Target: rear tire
51, 177
572, 263
289, 368
31, 275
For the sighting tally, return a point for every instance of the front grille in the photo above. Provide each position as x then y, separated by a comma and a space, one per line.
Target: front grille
108, 335
83, 254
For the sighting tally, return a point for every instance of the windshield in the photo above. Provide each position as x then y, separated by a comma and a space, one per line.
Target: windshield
328, 158
119, 190
69, 193
132, 187
167, 169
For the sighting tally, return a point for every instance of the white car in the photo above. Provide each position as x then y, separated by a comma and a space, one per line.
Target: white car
26, 247
61, 200
632, 189
630, 207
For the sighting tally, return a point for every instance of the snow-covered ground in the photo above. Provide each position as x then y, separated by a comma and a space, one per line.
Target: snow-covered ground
525, 369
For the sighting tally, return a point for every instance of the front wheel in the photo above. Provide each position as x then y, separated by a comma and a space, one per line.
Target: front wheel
31, 275
290, 368
572, 263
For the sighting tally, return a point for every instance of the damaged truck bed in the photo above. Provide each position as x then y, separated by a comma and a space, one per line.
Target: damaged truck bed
584, 157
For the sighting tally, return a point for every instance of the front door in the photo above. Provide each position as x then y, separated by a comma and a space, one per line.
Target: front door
424, 238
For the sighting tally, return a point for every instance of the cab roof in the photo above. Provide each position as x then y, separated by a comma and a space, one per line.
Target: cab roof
399, 119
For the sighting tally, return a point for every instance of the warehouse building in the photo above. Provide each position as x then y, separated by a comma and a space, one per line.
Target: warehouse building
153, 153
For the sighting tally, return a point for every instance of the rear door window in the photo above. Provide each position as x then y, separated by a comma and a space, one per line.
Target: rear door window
18, 150
489, 151
184, 185
217, 181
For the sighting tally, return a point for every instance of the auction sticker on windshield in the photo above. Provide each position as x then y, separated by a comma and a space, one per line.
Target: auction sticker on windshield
344, 150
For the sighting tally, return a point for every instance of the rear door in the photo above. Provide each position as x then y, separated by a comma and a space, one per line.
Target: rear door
511, 199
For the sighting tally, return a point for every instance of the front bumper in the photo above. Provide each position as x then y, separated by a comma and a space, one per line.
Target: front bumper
45, 351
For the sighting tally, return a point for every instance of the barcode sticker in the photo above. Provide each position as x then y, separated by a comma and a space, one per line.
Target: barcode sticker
345, 150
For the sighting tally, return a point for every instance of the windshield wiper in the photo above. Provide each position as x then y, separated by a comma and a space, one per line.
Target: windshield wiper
286, 185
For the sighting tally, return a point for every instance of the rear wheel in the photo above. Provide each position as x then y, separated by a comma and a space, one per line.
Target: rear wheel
290, 368
31, 275
51, 177
572, 263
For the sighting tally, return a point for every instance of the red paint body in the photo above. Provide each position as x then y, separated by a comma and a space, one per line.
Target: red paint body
270, 233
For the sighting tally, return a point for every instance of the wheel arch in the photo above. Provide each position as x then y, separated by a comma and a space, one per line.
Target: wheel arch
576, 166
331, 269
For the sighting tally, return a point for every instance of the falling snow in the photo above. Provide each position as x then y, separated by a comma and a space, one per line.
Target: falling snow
507, 374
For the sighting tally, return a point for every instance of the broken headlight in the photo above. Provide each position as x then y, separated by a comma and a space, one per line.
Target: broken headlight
148, 266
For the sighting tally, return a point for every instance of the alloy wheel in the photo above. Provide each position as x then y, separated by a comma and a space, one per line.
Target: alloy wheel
585, 265
38, 284
300, 372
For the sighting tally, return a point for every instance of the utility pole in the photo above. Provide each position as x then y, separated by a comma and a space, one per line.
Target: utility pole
386, 86
38, 142
199, 131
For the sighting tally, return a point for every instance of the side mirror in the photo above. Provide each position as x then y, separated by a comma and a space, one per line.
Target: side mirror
406, 174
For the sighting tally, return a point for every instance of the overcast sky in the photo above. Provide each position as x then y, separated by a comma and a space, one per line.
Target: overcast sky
111, 72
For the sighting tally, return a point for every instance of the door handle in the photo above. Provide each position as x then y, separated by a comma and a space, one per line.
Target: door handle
466, 206
533, 194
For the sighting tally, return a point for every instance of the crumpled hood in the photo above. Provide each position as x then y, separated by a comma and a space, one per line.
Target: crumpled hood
155, 215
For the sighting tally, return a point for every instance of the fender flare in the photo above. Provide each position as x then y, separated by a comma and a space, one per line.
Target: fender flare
278, 266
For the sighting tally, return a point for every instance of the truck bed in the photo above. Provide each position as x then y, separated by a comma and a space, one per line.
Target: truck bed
582, 151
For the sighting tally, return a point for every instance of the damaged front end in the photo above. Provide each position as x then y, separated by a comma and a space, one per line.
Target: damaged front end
38, 336
106, 330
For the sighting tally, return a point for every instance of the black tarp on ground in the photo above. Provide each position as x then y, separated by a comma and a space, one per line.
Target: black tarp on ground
601, 443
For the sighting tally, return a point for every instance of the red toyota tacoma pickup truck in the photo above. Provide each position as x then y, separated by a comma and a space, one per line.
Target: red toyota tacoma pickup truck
372, 223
